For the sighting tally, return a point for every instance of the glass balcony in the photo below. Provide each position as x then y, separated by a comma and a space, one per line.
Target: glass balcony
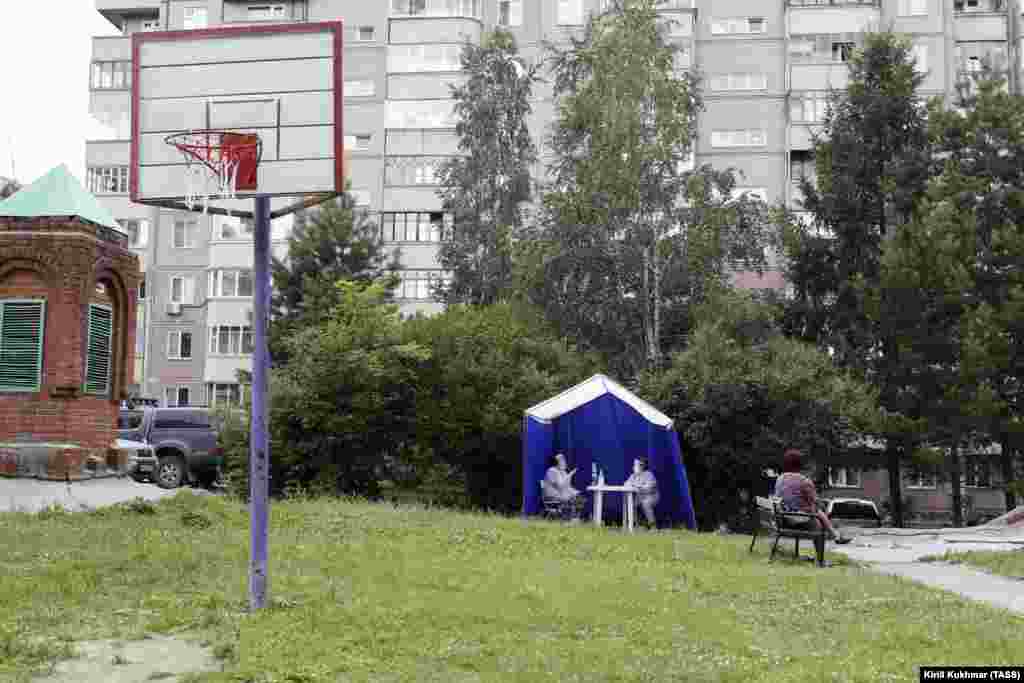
436, 8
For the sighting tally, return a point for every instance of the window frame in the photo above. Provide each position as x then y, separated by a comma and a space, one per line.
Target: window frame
915, 479
272, 11
359, 31
179, 334
186, 234
187, 289
189, 14
215, 290
139, 238
360, 91
111, 74
748, 136
177, 388
107, 179
975, 466
245, 340
834, 483
108, 379
40, 346
434, 228
508, 10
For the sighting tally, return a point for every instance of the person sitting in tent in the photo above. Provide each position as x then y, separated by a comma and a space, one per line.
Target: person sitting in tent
646, 486
798, 493
557, 487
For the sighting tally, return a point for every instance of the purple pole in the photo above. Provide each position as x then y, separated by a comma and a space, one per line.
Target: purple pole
259, 454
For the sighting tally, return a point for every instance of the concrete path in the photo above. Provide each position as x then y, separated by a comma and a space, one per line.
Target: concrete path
898, 552
32, 495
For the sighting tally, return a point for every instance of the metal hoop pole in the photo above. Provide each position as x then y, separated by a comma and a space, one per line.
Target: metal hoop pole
259, 456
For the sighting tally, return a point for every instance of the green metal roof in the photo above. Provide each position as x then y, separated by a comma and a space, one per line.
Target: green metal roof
58, 193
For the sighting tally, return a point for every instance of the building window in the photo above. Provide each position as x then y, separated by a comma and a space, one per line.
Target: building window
111, 75
231, 283
739, 82
22, 325
232, 228
680, 63
360, 197
175, 397
420, 114
138, 231
809, 107
843, 477
179, 345
419, 285
436, 8
265, 12
977, 472
826, 47
364, 34
182, 289
357, 142
99, 347
228, 340
801, 165
738, 138
412, 170
920, 55
979, 5
510, 12
570, 13
107, 179
424, 58
230, 395
359, 89
184, 236
195, 17
913, 8
973, 56
678, 25
149, 25
412, 227
842, 51
919, 479
738, 25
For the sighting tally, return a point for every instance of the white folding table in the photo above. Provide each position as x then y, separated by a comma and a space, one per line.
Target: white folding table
628, 509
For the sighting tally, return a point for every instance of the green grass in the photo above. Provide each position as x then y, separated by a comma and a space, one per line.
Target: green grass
365, 592
1009, 564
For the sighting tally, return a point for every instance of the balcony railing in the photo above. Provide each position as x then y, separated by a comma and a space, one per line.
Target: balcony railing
834, 3
437, 8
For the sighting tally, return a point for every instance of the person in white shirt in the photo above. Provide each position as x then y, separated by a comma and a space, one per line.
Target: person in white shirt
646, 487
558, 486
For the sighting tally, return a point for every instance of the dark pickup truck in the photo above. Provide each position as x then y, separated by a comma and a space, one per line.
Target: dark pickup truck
184, 442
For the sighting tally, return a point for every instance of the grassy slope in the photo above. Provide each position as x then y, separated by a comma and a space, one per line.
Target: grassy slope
369, 592
1009, 564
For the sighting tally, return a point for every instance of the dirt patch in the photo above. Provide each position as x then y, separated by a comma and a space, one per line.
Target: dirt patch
157, 658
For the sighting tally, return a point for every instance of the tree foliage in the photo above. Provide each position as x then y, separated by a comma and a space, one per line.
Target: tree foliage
335, 242
488, 364
485, 185
8, 186
742, 392
872, 163
627, 233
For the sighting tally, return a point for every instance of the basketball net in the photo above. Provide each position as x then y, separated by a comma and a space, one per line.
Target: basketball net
212, 163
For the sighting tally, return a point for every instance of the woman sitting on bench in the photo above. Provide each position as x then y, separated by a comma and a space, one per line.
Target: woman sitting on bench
799, 495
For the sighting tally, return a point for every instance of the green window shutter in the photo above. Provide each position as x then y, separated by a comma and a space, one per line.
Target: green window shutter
98, 350
21, 345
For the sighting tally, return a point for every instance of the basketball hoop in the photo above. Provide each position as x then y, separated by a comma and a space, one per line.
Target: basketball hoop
221, 158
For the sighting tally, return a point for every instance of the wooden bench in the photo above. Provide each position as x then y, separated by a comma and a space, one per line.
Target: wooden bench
770, 515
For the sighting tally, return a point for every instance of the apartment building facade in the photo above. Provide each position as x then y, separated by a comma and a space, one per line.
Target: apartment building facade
767, 65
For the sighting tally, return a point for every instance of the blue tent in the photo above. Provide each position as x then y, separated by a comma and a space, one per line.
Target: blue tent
599, 421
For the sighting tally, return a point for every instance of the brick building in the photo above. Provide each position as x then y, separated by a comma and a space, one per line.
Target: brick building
68, 288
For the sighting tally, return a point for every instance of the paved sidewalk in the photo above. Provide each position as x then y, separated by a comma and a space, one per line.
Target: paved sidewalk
32, 495
898, 552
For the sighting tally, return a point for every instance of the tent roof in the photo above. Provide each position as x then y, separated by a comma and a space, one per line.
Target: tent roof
586, 391
58, 193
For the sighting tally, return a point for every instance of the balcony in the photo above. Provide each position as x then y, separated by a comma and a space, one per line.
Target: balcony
111, 48
979, 26
976, 6
836, 17
834, 3
117, 11
468, 9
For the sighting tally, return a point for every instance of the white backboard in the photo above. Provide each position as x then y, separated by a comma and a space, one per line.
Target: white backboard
281, 82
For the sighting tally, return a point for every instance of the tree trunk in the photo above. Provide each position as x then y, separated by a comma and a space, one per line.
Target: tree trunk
895, 484
1006, 463
656, 294
954, 476
649, 340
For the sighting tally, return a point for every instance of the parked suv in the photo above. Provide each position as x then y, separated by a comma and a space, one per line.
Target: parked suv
184, 441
